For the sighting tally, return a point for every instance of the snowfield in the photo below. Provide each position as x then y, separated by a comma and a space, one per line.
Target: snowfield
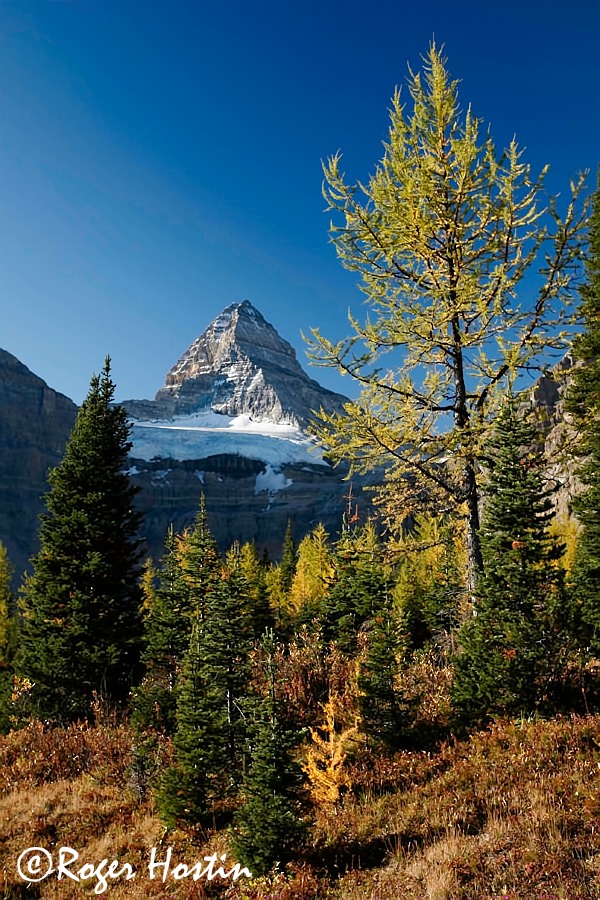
207, 434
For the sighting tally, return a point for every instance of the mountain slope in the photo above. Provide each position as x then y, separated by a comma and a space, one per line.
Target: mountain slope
239, 366
35, 423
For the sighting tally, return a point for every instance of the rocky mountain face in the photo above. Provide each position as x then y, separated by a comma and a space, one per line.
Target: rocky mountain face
547, 399
239, 366
35, 423
230, 422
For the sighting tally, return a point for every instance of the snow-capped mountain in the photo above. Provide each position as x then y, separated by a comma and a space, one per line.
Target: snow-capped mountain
239, 366
231, 422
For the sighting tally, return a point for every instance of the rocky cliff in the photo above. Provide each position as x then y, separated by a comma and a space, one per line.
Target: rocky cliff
239, 366
35, 423
230, 422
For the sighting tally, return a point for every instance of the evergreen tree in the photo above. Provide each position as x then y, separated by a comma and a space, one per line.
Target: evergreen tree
583, 403
513, 648
384, 714
199, 562
287, 565
360, 588
267, 826
444, 236
167, 637
81, 629
210, 734
246, 562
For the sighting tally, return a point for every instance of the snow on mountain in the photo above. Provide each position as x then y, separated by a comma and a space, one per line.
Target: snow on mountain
207, 434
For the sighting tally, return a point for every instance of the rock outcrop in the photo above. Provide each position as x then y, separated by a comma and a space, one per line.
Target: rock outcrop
239, 366
35, 423
230, 422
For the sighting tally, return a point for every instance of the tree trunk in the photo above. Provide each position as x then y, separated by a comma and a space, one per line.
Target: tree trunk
474, 557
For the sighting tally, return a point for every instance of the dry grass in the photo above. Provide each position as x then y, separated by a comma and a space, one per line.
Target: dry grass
511, 814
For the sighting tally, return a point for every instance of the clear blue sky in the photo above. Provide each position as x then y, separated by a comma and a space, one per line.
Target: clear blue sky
160, 159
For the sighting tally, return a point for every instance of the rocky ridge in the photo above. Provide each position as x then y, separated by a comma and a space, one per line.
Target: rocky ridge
230, 422
35, 423
239, 365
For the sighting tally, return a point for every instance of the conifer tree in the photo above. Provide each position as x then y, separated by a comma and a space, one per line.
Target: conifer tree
327, 755
430, 580
360, 587
584, 403
288, 558
314, 570
166, 640
81, 628
267, 826
210, 734
246, 562
443, 235
384, 714
512, 649
199, 562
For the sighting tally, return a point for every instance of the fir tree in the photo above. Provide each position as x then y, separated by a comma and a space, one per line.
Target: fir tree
246, 562
583, 403
267, 826
384, 715
360, 588
199, 562
512, 649
210, 734
287, 565
167, 637
81, 608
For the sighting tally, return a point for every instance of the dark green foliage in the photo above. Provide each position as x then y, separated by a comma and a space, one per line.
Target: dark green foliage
251, 571
360, 589
287, 566
81, 628
513, 649
267, 827
199, 562
384, 714
583, 403
167, 637
209, 740
188, 787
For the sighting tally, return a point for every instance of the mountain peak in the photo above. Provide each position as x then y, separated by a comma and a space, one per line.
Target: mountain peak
240, 365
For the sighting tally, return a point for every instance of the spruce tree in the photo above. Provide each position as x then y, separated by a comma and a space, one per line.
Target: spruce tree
166, 639
267, 826
384, 714
287, 565
81, 627
512, 649
210, 734
245, 561
360, 588
199, 562
583, 403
